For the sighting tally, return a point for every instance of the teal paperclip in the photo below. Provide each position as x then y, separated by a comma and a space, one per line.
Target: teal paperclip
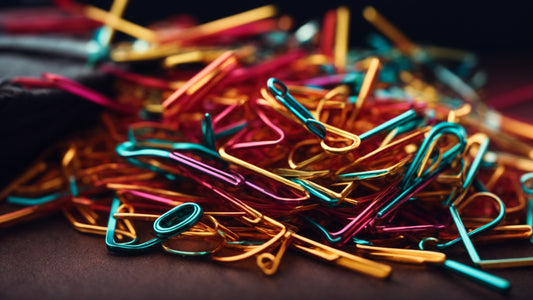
26, 201
488, 280
395, 122
209, 133
472, 234
474, 167
302, 114
171, 223
529, 216
410, 179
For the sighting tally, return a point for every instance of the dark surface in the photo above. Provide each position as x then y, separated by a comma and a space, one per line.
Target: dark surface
46, 258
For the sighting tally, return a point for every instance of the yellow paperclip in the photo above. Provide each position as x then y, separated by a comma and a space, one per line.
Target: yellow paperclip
402, 255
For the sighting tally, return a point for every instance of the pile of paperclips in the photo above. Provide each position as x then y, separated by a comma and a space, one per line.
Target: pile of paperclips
251, 137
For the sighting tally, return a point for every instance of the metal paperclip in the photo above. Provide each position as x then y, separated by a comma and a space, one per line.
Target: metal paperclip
466, 238
366, 88
483, 142
341, 258
529, 191
170, 224
416, 175
281, 93
183, 98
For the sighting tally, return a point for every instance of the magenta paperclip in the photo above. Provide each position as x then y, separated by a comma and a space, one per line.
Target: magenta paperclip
51, 80
137, 78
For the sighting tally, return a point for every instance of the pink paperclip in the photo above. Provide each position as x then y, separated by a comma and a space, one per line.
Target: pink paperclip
368, 215
267, 68
137, 78
76, 88
57, 81
270, 125
51, 19
512, 98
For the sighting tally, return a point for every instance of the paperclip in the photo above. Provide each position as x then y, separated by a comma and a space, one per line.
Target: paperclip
462, 231
342, 27
327, 34
487, 263
376, 19
71, 86
269, 263
203, 233
214, 27
408, 47
107, 32
529, 191
170, 224
341, 258
402, 255
182, 99
32, 212
138, 78
281, 93
279, 234
118, 23
416, 174
369, 81
483, 142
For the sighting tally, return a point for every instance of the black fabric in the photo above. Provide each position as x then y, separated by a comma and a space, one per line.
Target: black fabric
32, 120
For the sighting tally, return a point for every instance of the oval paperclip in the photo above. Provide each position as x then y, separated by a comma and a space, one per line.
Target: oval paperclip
171, 223
281, 93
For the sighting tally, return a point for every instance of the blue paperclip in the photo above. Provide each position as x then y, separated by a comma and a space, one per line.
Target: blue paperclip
301, 113
171, 223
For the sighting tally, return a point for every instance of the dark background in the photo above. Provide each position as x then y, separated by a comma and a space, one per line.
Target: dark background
45, 258
474, 25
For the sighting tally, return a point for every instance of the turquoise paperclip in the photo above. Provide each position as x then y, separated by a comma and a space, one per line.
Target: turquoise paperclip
171, 223
482, 277
302, 114
529, 217
210, 136
410, 180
